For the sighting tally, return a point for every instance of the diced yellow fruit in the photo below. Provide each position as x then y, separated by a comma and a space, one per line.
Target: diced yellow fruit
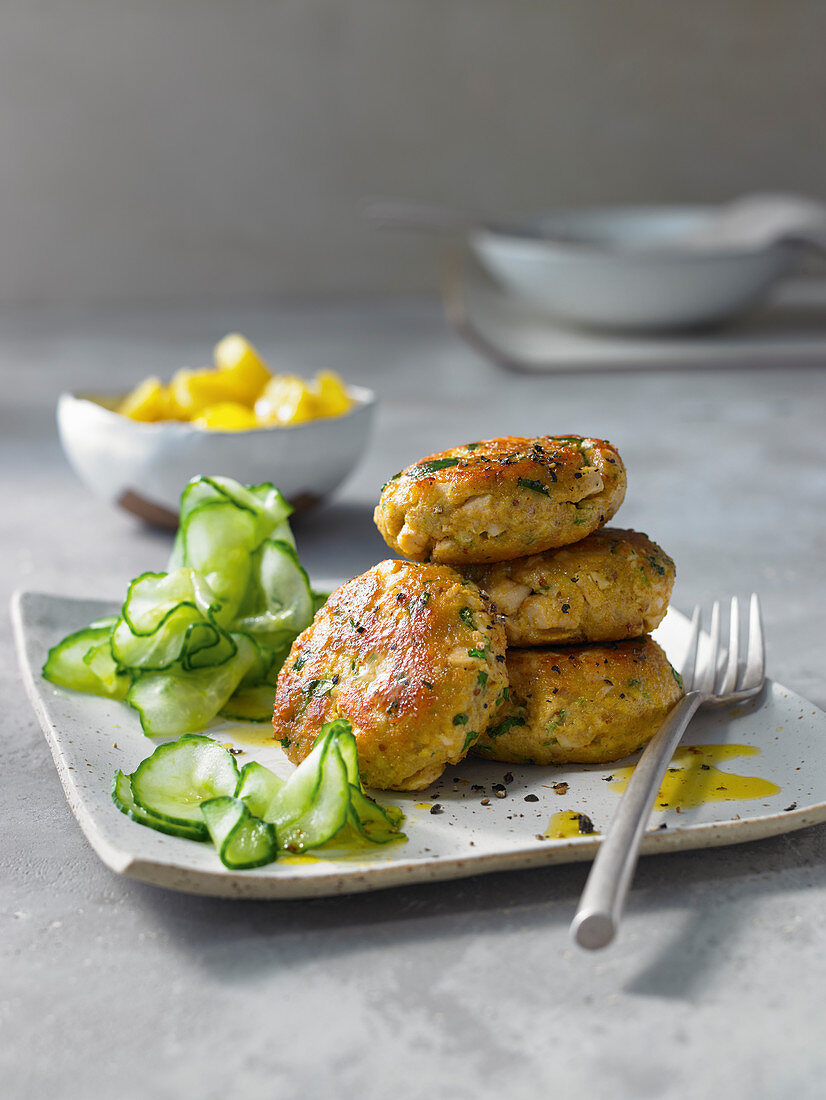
332, 398
148, 401
285, 400
227, 416
192, 391
240, 363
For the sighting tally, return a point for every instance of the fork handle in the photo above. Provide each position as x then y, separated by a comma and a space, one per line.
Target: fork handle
606, 889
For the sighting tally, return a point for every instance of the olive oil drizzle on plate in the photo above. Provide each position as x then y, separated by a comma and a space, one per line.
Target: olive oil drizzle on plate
693, 778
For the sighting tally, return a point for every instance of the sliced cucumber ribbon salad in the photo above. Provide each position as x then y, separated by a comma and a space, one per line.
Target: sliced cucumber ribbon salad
209, 636
192, 788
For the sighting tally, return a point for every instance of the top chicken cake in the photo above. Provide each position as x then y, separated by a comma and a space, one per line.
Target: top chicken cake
500, 499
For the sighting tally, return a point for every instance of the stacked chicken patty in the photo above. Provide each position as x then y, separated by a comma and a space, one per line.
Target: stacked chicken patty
518, 631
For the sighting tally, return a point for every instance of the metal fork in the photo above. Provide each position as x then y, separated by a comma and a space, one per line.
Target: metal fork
714, 681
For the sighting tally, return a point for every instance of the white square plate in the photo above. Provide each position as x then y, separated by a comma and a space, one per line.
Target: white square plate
91, 737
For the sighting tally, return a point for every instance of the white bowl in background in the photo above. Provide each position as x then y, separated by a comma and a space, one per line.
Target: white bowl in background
648, 282
145, 467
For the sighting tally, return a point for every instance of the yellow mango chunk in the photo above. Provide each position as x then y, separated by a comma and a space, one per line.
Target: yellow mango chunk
242, 367
286, 399
227, 416
192, 391
332, 398
148, 401
223, 397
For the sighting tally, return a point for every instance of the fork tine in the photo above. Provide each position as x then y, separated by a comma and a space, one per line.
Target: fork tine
705, 683
756, 658
730, 679
689, 670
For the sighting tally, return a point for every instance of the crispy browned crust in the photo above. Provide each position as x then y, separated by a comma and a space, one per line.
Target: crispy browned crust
588, 704
611, 586
501, 498
412, 656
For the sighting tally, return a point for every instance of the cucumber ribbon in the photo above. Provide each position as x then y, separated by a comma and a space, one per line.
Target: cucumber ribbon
208, 636
192, 788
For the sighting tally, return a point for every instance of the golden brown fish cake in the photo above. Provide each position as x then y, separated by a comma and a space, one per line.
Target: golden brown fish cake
412, 656
611, 586
588, 704
501, 498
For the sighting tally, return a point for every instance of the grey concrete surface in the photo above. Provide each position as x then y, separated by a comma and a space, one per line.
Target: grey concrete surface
220, 147
462, 990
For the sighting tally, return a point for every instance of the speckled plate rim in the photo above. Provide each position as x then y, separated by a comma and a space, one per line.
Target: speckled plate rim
168, 865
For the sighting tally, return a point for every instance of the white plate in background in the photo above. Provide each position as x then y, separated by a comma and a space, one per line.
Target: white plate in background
789, 331
629, 268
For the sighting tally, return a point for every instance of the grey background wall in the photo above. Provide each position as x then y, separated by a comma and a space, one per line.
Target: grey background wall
182, 149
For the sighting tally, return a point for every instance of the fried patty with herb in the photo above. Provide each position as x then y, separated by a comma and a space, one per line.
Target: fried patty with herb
587, 704
413, 656
501, 498
611, 586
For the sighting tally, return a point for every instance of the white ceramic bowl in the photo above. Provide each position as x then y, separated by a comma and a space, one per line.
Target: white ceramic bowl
649, 286
144, 467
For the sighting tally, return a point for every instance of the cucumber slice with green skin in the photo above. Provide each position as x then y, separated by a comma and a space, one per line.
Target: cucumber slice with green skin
107, 620
272, 501
66, 664
206, 646
342, 731
243, 841
285, 585
263, 498
394, 815
264, 502
152, 597
218, 541
319, 600
260, 670
168, 617
279, 601
222, 524
376, 823
271, 662
172, 783
250, 704
214, 490
184, 636
257, 787
177, 700
302, 785
373, 821
277, 640
313, 804
115, 680
278, 659
125, 801
282, 532
206, 490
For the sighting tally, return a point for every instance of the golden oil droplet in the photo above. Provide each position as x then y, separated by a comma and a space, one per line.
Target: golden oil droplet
568, 823
245, 734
